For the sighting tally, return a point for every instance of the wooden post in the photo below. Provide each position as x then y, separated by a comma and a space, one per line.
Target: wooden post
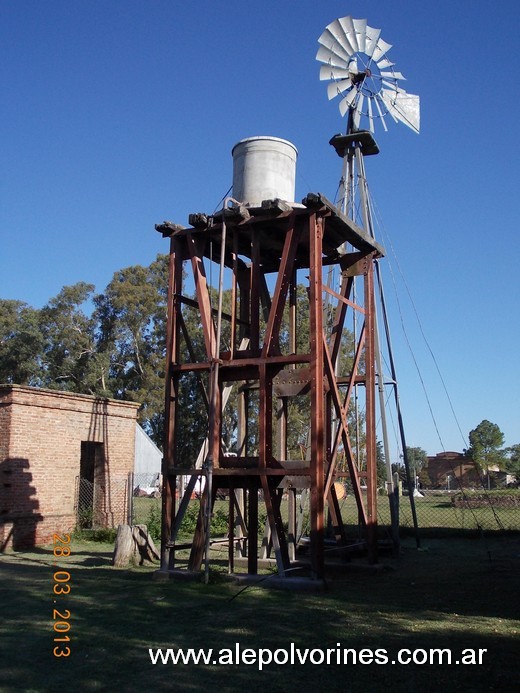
317, 397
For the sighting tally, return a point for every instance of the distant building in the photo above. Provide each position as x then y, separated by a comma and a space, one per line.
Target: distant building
452, 470
65, 460
148, 462
148, 457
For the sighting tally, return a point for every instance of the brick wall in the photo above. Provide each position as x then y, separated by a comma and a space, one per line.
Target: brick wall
457, 466
41, 435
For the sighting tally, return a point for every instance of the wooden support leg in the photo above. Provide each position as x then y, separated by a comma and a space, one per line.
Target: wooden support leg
274, 517
291, 538
252, 529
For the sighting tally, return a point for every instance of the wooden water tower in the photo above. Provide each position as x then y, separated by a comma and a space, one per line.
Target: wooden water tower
262, 358
271, 367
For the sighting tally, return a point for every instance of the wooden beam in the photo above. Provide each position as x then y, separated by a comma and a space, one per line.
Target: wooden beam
283, 281
202, 291
317, 396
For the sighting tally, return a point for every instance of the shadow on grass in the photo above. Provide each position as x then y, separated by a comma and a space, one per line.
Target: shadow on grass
457, 594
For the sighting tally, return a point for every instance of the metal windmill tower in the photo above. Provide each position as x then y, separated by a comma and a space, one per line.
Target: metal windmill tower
262, 341
356, 64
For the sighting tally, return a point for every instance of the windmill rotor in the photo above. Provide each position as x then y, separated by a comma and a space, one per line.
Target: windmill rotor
355, 62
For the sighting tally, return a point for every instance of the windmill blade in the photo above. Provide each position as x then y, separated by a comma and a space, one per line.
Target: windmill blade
391, 114
405, 107
353, 65
358, 111
381, 48
384, 63
335, 49
324, 55
336, 88
370, 116
385, 104
347, 25
336, 41
392, 86
394, 75
330, 72
380, 112
330, 42
346, 103
336, 29
372, 36
360, 27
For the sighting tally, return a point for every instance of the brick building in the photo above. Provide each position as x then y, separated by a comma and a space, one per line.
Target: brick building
64, 460
452, 470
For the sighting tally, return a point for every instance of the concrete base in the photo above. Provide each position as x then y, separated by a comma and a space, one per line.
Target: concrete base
276, 582
178, 574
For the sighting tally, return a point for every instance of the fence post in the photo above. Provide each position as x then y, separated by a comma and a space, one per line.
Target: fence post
130, 509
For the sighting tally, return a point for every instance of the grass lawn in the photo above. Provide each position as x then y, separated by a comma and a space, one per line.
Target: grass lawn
457, 594
434, 512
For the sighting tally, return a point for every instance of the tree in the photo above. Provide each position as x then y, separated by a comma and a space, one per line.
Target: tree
21, 343
418, 463
68, 335
131, 320
118, 350
486, 441
381, 464
513, 463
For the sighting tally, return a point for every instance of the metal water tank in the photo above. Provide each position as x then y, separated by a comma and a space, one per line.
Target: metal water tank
264, 168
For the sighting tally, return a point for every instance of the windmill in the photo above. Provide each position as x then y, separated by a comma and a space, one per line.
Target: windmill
355, 61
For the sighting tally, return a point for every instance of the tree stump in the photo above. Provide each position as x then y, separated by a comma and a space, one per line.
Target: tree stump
134, 545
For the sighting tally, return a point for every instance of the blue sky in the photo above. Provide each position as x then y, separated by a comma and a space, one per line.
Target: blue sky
117, 114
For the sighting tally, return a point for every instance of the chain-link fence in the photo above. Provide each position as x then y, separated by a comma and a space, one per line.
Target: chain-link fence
446, 511
102, 503
145, 501
134, 498
440, 512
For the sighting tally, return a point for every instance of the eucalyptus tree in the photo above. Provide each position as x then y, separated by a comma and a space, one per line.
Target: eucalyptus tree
21, 344
131, 327
68, 334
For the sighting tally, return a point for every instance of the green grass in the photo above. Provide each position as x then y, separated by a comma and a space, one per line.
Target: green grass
458, 594
434, 512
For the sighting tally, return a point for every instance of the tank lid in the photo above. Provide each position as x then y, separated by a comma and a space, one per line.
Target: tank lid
264, 138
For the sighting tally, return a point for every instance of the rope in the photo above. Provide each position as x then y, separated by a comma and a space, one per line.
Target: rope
419, 322
434, 420
221, 202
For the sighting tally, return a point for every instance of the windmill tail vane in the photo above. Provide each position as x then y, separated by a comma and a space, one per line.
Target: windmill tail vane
355, 62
